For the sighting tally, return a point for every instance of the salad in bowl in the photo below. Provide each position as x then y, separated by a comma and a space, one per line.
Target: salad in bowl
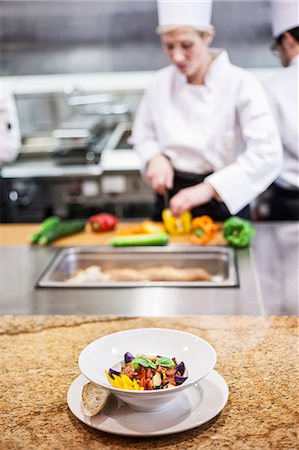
159, 365
149, 373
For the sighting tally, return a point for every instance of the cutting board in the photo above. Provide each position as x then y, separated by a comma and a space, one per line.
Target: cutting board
18, 234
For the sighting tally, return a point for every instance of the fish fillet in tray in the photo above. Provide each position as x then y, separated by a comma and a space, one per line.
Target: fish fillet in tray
180, 266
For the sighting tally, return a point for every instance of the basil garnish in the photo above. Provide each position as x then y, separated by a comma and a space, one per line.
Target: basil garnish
142, 361
152, 364
164, 361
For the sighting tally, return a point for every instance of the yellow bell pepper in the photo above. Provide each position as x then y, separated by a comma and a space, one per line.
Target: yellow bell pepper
123, 382
116, 381
127, 382
177, 226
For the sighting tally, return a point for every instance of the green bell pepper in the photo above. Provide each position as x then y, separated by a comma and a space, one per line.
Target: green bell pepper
238, 232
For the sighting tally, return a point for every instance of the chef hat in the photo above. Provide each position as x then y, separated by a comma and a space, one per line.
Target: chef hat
196, 13
285, 16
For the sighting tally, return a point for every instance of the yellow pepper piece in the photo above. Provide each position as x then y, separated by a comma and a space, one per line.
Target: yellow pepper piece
186, 219
116, 381
110, 379
123, 382
149, 226
127, 382
177, 226
136, 386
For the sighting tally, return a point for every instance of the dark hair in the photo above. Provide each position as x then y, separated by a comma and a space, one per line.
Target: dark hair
293, 32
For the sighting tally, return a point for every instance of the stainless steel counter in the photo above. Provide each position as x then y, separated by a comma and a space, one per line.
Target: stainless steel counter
268, 285
277, 258
48, 169
24, 266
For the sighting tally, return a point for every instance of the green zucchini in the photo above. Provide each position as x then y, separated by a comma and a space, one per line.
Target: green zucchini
63, 229
140, 239
45, 226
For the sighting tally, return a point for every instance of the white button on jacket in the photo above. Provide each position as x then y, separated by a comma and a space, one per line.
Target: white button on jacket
282, 91
224, 126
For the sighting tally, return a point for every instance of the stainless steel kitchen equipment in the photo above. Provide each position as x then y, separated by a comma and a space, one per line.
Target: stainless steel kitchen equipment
120, 138
103, 104
42, 188
122, 183
220, 262
77, 131
85, 166
81, 139
39, 146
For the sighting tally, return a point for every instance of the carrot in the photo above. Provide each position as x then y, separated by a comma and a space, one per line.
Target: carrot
142, 380
149, 373
149, 385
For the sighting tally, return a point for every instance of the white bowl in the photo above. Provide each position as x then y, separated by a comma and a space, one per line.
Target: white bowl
108, 352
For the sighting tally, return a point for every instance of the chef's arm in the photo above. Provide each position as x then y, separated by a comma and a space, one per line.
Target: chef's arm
261, 162
143, 134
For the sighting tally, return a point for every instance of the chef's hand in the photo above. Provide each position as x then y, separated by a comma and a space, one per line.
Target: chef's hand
189, 198
160, 173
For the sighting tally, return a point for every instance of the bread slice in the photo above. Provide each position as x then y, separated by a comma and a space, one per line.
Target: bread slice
94, 398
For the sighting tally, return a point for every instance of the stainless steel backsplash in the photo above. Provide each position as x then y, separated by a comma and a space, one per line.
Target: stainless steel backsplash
46, 37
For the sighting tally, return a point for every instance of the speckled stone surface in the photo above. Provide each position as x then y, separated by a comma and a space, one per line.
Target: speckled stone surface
258, 357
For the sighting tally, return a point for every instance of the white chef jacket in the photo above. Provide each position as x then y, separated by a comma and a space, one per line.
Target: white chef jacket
224, 126
282, 92
10, 137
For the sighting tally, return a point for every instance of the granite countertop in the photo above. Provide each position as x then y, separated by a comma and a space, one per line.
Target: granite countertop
256, 355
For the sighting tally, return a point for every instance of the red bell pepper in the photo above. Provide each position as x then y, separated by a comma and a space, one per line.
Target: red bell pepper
102, 222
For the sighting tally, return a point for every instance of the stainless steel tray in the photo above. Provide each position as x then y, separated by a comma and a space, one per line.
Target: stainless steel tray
220, 262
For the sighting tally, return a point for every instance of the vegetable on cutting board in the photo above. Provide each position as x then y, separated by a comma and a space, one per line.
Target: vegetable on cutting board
131, 229
62, 229
147, 226
140, 239
102, 222
203, 229
177, 226
45, 226
238, 232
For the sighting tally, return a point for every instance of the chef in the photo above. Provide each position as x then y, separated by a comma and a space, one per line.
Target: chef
203, 130
282, 91
10, 141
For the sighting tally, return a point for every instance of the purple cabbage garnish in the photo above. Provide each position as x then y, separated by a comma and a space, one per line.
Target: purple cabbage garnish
113, 372
180, 368
128, 357
179, 380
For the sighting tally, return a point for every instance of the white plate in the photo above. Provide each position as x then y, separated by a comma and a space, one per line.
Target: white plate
193, 407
